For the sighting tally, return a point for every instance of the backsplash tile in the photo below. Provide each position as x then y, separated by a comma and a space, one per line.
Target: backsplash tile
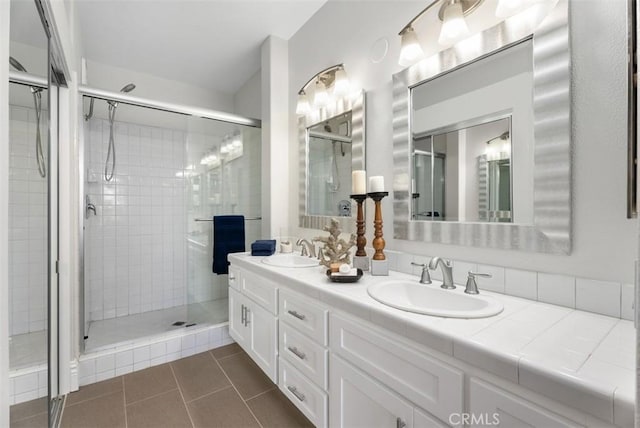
598, 296
601, 297
557, 289
495, 283
521, 283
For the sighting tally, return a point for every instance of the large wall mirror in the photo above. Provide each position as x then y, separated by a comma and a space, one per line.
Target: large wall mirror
482, 139
331, 145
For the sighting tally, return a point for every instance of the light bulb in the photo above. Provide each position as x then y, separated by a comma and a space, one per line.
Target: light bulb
410, 50
341, 83
320, 97
454, 26
303, 106
507, 8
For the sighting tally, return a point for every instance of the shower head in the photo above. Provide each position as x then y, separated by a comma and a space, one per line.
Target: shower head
16, 64
128, 88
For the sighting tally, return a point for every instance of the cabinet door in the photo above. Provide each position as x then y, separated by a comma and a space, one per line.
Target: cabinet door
493, 406
263, 339
237, 329
356, 400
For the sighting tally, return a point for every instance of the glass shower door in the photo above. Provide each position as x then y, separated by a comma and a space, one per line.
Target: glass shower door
222, 177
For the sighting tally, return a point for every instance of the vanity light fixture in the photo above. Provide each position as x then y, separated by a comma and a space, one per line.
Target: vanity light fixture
452, 13
328, 85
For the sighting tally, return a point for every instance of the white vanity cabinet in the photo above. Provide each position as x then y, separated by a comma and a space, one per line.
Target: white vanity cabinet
251, 325
494, 406
303, 354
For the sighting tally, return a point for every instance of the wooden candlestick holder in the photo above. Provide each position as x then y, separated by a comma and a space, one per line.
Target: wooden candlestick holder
360, 260
379, 264
361, 241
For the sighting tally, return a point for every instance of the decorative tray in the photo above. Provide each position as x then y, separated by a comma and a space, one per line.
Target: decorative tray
344, 278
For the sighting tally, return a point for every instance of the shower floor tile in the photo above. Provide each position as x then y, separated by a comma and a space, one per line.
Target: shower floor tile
176, 404
121, 330
27, 350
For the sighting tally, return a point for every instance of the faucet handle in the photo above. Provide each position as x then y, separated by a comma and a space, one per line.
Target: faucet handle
418, 264
425, 277
472, 286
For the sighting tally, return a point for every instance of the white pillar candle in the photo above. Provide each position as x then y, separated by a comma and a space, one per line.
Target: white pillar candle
358, 182
376, 184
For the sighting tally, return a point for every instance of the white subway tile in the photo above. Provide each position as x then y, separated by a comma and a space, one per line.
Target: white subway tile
461, 271
124, 358
521, 283
122, 370
158, 360
174, 345
557, 289
157, 350
25, 383
105, 363
188, 341
141, 354
141, 365
602, 297
87, 367
202, 338
106, 375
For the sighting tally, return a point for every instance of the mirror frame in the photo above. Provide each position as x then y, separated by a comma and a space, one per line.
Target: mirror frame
355, 104
551, 228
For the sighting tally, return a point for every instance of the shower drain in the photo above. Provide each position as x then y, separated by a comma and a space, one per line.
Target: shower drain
178, 323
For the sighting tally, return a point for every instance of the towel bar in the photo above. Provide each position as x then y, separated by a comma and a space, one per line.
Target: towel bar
210, 219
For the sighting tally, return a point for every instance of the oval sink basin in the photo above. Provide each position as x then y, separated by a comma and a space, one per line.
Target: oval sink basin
433, 300
290, 261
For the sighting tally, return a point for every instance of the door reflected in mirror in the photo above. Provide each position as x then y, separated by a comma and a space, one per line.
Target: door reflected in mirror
329, 167
463, 173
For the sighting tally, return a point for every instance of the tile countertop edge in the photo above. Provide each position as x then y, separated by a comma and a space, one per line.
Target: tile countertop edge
589, 397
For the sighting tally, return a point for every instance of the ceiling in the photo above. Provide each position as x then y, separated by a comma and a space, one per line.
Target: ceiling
213, 44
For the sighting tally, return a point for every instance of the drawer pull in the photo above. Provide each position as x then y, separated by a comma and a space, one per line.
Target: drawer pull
247, 320
400, 423
299, 395
243, 315
297, 353
297, 315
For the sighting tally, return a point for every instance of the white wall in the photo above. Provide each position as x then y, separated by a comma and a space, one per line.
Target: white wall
111, 78
600, 230
248, 100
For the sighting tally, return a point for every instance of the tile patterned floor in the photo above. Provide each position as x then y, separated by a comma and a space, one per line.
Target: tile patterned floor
219, 388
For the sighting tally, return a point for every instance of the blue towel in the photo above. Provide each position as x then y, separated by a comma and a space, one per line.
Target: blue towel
263, 247
228, 237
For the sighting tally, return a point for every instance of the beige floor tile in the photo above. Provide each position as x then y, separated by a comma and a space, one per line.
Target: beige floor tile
221, 409
95, 390
226, 351
245, 375
273, 409
39, 421
148, 382
164, 410
101, 412
199, 375
28, 409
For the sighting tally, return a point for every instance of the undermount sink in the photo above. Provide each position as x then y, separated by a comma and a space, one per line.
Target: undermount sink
290, 260
433, 300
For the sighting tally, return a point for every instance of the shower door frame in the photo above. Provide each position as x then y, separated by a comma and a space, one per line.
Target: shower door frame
137, 102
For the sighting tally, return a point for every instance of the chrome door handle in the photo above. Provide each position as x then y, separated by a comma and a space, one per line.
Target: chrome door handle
246, 316
297, 315
297, 353
243, 316
400, 423
299, 395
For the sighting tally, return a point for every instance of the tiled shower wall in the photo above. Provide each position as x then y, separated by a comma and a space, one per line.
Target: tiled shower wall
135, 250
27, 224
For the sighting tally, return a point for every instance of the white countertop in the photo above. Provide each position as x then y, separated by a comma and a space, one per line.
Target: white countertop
584, 360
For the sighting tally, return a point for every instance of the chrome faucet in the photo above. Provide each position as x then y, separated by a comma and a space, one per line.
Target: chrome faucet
447, 271
308, 249
425, 277
472, 286
89, 207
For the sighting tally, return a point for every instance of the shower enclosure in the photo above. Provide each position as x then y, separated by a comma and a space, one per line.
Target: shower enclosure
153, 180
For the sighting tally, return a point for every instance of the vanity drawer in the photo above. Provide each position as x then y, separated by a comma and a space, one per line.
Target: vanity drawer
262, 291
304, 354
304, 315
311, 400
424, 380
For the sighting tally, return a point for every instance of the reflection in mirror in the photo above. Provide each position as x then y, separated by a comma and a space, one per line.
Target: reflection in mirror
463, 174
523, 201
329, 163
